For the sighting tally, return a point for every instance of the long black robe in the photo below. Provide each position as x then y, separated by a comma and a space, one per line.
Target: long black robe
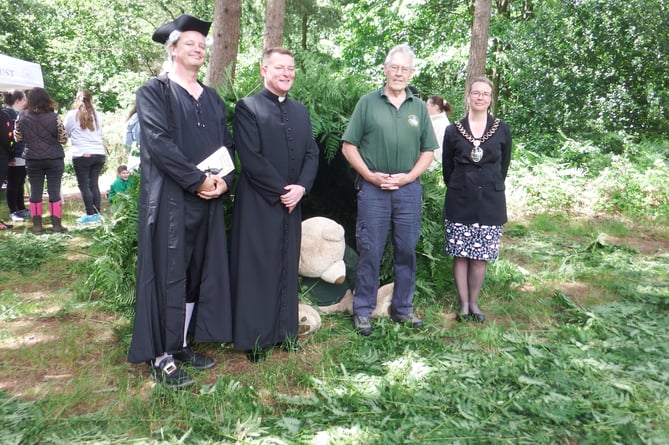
276, 148
167, 176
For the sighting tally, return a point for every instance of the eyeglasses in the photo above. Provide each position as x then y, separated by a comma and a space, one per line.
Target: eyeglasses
281, 68
399, 68
484, 94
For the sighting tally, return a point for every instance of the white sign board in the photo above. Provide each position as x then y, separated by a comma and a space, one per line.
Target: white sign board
19, 74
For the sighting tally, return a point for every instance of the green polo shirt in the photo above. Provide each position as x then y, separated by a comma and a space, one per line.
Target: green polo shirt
390, 140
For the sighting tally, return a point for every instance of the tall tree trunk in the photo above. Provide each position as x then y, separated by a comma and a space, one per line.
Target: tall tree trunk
479, 42
305, 29
275, 15
223, 54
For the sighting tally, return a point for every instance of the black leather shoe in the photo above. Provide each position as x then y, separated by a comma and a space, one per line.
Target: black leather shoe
256, 355
192, 358
168, 373
478, 317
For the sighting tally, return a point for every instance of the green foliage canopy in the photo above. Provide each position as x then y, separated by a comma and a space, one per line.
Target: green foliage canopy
580, 66
591, 66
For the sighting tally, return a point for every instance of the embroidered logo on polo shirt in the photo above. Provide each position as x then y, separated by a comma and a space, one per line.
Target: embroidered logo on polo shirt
413, 120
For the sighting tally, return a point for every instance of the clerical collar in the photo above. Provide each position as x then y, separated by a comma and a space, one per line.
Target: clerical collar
281, 98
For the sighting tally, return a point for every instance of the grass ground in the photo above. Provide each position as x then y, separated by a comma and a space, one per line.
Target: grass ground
575, 349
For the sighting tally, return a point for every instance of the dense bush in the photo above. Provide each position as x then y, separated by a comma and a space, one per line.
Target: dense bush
26, 252
586, 178
631, 189
111, 274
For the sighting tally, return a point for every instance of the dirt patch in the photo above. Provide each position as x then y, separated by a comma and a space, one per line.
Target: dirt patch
46, 354
584, 294
646, 246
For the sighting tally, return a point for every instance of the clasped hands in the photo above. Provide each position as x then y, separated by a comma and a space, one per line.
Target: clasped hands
386, 181
212, 187
292, 198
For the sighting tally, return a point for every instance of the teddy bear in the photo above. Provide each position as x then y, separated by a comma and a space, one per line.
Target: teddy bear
327, 270
322, 250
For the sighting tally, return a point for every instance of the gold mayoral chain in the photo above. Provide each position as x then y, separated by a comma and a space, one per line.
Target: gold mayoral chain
477, 152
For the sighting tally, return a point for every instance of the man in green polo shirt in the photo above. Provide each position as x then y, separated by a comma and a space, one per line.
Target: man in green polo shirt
389, 142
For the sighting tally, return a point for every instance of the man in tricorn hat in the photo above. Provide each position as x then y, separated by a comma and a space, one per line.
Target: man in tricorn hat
182, 265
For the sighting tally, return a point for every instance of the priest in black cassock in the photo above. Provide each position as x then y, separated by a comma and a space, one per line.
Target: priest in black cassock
279, 160
182, 265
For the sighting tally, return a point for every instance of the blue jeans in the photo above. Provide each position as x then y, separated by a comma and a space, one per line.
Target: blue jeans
88, 171
378, 212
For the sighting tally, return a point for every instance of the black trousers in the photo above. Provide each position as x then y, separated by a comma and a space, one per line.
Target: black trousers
196, 221
88, 170
16, 179
4, 164
52, 170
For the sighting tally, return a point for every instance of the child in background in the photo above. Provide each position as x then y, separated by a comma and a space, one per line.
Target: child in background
121, 184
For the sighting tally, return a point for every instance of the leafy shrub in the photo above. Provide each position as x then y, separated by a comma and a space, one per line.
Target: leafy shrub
584, 154
538, 185
24, 253
540, 143
503, 279
330, 97
584, 179
635, 191
658, 146
610, 142
433, 274
16, 419
111, 275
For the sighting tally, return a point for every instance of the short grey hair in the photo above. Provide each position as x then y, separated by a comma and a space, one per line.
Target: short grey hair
402, 49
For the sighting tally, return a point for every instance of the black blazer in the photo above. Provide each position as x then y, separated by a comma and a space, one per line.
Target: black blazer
475, 190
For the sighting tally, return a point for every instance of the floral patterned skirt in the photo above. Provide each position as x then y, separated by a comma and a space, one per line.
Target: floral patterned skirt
474, 241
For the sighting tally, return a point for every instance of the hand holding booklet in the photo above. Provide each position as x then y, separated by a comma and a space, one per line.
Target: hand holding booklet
218, 163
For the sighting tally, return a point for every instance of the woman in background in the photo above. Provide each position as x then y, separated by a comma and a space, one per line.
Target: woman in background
476, 157
42, 131
439, 110
16, 172
84, 126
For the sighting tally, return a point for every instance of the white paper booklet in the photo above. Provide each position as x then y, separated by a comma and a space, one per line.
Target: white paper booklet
218, 163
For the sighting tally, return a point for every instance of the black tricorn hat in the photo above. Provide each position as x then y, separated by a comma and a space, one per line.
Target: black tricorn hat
182, 23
